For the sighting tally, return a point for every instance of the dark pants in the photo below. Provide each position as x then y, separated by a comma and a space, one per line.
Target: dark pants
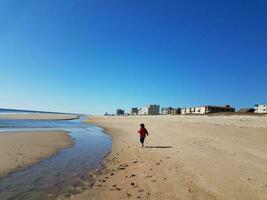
142, 139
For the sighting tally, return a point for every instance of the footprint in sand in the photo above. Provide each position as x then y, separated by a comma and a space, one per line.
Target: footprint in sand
123, 166
117, 188
68, 195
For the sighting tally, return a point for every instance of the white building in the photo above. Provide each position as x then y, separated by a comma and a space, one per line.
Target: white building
185, 111
149, 110
202, 110
261, 108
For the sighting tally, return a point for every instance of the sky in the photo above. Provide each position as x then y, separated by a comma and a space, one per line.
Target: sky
94, 56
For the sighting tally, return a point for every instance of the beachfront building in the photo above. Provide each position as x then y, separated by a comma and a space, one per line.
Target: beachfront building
134, 111
119, 112
202, 110
176, 111
213, 109
185, 111
261, 108
170, 111
166, 111
149, 110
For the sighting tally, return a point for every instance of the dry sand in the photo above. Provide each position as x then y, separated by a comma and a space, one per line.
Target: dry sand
189, 157
39, 116
21, 149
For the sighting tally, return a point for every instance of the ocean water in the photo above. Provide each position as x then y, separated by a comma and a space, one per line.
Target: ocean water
61, 173
16, 111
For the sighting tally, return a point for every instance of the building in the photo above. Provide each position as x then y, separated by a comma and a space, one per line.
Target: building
134, 111
202, 110
170, 111
119, 112
166, 111
149, 110
261, 108
176, 111
185, 111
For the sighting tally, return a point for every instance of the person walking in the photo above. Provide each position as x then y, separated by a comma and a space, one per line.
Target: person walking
143, 133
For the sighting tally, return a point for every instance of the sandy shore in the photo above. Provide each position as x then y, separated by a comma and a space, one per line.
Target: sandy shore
39, 116
21, 149
186, 158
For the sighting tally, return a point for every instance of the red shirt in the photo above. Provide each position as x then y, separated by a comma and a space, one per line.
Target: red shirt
143, 132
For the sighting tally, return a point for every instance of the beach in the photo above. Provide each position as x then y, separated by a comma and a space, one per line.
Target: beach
21, 149
186, 157
39, 116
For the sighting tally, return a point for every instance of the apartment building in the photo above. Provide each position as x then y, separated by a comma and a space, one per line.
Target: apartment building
261, 108
149, 110
202, 110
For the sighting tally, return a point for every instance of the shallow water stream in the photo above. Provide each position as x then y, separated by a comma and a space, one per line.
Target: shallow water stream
62, 172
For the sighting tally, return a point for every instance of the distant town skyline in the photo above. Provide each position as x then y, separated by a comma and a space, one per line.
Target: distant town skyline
93, 57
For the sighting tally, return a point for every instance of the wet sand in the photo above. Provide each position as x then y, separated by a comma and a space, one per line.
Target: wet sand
39, 116
190, 157
21, 149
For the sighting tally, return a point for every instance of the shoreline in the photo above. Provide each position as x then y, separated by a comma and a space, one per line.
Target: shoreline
196, 161
22, 149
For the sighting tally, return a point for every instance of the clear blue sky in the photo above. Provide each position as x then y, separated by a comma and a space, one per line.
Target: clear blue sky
95, 56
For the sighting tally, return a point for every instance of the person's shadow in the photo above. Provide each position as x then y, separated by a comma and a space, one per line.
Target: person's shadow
160, 147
